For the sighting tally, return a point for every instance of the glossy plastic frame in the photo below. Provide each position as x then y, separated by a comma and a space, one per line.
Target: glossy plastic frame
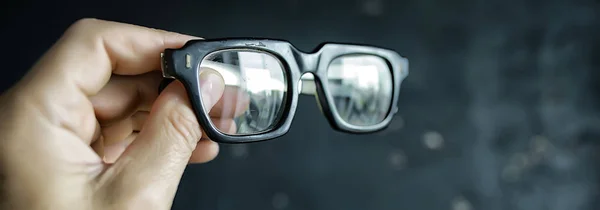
183, 64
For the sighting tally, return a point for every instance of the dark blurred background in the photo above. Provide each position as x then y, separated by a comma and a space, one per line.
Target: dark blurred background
500, 110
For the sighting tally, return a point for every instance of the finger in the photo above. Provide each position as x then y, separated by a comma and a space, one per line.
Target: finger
120, 136
233, 103
153, 164
81, 63
206, 150
91, 50
98, 146
224, 125
122, 96
113, 151
235, 100
118, 131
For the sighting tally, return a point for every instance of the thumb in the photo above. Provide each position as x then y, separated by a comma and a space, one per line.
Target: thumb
151, 167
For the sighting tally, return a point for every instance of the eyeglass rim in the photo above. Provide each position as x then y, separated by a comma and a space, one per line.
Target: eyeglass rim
183, 64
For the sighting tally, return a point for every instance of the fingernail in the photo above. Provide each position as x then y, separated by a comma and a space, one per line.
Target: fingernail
211, 88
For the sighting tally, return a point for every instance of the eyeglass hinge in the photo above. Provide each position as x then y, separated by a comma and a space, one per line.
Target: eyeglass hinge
164, 67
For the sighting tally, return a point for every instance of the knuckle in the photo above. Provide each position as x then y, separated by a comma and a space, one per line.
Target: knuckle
90, 28
183, 125
86, 28
84, 23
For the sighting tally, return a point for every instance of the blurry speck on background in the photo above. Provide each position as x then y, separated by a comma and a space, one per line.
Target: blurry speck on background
500, 110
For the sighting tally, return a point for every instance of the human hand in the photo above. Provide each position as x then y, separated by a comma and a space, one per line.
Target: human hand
86, 128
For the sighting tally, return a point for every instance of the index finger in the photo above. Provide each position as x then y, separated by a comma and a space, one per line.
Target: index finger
91, 50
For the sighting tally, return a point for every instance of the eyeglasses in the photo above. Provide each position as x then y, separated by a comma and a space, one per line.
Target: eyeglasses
356, 86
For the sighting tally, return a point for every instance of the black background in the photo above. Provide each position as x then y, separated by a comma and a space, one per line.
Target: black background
510, 89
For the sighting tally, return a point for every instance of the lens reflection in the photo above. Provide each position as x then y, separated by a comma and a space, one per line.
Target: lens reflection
255, 87
361, 87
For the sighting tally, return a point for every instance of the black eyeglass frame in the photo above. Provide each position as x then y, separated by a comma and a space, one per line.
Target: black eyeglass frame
183, 64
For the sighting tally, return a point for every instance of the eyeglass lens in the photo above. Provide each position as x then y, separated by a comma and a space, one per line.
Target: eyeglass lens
361, 88
255, 87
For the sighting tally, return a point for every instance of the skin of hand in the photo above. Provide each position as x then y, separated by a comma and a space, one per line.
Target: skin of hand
87, 129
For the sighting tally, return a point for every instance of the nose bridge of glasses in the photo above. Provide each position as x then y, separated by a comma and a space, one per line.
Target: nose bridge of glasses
307, 64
